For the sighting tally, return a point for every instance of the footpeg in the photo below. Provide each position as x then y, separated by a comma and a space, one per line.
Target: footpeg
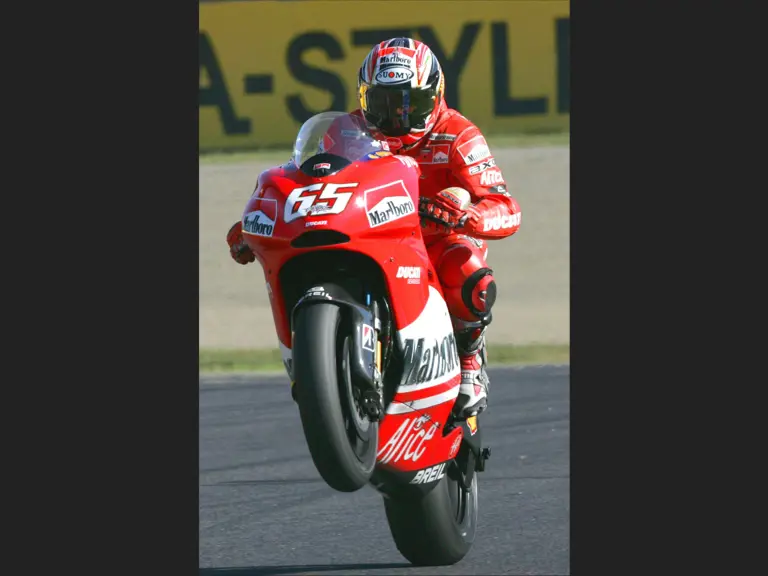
485, 454
372, 406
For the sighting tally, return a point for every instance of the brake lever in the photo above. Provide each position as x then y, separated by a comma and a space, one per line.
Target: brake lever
428, 216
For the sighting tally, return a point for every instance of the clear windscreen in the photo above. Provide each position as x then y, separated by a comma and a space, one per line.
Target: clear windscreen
337, 133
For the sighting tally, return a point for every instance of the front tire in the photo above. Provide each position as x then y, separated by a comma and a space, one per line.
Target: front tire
438, 528
342, 444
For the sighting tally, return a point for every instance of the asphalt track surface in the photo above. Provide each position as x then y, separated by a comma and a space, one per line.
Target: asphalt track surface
264, 510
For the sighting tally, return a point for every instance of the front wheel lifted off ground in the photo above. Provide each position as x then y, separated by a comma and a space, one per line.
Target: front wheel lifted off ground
343, 455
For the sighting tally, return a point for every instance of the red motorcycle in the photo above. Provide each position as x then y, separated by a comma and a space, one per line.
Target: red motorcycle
365, 333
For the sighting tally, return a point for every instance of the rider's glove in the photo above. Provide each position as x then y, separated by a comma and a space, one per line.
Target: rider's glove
239, 250
451, 210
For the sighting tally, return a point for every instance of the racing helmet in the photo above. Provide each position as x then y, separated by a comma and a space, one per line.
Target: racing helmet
401, 88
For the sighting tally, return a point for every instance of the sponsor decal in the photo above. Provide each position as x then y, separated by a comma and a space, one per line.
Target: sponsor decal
429, 475
387, 203
389, 210
501, 222
408, 443
368, 338
455, 445
396, 56
412, 273
327, 143
394, 75
474, 150
311, 223
472, 423
320, 198
260, 218
426, 361
379, 154
500, 189
314, 292
435, 154
490, 178
490, 163
456, 195
440, 158
322, 166
258, 224
444, 137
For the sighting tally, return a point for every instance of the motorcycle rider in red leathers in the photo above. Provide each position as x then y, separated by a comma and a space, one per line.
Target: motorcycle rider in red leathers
401, 95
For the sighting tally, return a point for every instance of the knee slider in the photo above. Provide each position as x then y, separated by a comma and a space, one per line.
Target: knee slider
479, 293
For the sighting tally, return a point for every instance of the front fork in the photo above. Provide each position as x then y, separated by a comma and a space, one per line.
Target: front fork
369, 358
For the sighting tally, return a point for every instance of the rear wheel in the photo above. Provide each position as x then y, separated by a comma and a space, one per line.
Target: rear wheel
341, 439
438, 528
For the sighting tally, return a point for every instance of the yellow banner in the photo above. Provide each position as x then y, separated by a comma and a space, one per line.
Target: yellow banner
265, 67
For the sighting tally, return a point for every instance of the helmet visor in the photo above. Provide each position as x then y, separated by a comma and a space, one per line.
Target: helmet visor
396, 111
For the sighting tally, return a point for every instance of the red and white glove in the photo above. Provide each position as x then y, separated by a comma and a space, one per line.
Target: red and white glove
451, 208
239, 250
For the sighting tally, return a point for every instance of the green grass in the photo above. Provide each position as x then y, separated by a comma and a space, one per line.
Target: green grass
280, 155
275, 156
269, 360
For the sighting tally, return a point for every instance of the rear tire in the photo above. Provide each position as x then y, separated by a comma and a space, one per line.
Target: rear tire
436, 529
343, 454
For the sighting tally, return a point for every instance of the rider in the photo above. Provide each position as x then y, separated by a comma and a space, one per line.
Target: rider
401, 95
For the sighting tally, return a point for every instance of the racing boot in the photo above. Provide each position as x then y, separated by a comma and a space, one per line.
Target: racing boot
473, 392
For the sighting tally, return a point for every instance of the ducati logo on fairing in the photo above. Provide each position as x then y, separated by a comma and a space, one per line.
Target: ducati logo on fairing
429, 474
407, 443
412, 273
424, 362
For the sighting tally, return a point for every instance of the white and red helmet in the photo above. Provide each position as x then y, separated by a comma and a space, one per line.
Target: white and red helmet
400, 87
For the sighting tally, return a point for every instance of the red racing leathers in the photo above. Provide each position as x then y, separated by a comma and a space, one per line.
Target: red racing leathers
455, 153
